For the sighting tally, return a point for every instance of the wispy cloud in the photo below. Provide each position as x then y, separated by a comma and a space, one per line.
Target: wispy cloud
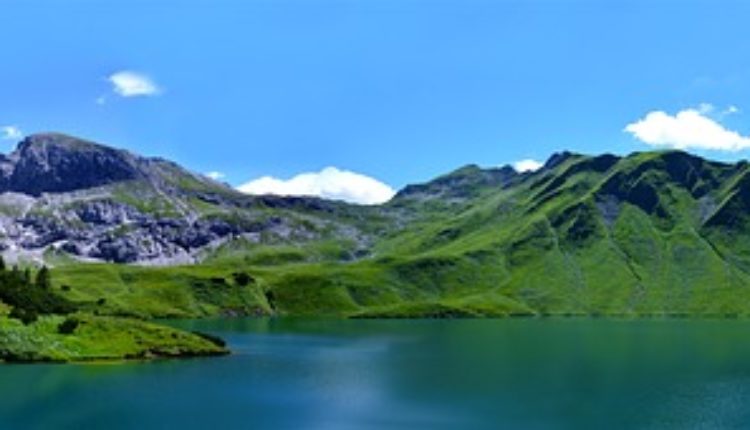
705, 108
10, 132
132, 84
527, 165
710, 110
329, 183
216, 175
689, 129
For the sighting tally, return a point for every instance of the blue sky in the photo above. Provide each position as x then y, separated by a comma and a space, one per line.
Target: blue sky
398, 90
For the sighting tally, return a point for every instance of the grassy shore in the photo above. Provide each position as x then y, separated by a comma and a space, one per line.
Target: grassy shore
83, 337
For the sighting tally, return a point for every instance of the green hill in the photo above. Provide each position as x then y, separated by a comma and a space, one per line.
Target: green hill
649, 234
656, 233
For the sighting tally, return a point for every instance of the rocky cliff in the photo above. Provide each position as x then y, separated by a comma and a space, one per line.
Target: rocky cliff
66, 196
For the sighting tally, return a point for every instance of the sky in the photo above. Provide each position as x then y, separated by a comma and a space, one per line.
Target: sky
353, 99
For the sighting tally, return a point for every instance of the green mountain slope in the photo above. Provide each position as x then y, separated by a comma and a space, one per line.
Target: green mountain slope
649, 234
657, 233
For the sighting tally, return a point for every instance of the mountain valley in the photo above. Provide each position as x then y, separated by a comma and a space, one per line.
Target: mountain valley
648, 234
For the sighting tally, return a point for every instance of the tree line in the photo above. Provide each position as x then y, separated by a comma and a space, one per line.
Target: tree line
30, 296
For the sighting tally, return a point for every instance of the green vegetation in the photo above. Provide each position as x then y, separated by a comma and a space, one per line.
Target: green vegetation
90, 338
28, 299
652, 234
34, 327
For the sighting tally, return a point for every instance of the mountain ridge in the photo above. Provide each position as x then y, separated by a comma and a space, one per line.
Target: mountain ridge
94, 202
649, 233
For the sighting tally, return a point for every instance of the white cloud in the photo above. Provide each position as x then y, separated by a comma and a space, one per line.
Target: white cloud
731, 109
10, 132
216, 175
133, 84
708, 109
527, 165
688, 129
705, 108
329, 183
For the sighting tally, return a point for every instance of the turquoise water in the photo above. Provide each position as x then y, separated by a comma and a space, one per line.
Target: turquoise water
451, 374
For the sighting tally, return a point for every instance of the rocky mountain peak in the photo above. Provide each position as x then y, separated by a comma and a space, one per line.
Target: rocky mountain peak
63, 194
558, 158
54, 139
463, 183
54, 162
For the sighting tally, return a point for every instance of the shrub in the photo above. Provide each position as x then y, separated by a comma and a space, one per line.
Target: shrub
68, 326
242, 279
31, 298
27, 316
43, 278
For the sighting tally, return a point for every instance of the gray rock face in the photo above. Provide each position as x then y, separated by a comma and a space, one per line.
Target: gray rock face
106, 212
48, 231
119, 250
94, 202
55, 163
112, 231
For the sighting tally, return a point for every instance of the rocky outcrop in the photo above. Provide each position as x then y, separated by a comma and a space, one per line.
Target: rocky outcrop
112, 231
462, 184
94, 202
54, 163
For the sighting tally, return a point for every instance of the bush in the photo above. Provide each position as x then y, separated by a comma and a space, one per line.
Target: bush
218, 281
43, 278
32, 298
242, 279
68, 326
27, 316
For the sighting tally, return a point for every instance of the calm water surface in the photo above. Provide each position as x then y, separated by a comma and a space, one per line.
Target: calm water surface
460, 374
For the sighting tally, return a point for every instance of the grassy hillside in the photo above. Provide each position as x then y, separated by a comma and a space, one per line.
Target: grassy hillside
660, 233
38, 324
88, 338
650, 234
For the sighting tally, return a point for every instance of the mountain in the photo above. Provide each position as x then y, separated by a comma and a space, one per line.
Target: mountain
62, 194
652, 233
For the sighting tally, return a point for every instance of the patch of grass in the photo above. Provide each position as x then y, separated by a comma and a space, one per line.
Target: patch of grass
97, 338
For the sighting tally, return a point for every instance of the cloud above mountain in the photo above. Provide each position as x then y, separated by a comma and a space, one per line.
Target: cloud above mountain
527, 165
216, 176
10, 132
694, 128
127, 83
329, 183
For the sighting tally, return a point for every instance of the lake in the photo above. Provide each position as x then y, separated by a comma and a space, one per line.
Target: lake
409, 374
